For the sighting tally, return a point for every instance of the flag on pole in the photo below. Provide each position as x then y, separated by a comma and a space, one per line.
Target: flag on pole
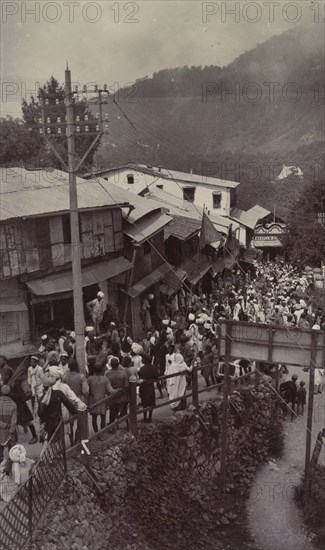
231, 244
209, 234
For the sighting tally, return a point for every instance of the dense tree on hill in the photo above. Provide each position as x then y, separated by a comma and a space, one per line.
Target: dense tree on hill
304, 242
55, 112
16, 145
21, 141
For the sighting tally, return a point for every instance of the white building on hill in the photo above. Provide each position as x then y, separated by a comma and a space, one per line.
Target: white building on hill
217, 195
289, 172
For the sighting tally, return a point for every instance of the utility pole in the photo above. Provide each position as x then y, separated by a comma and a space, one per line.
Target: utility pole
68, 129
79, 321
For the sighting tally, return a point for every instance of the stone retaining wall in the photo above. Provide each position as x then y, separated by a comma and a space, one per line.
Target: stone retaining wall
161, 490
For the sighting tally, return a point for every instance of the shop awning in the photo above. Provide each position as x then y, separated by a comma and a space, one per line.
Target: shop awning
146, 227
154, 277
172, 281
92, 274
199, 273
250, 255
230, 261
217, 267
12, 303
196, 268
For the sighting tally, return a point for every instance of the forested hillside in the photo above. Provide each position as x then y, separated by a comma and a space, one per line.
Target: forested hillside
187, 118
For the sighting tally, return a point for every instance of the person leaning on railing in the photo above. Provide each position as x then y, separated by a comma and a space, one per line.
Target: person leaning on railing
50, 409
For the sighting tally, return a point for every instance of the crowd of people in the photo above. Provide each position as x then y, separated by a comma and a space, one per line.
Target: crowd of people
185, 336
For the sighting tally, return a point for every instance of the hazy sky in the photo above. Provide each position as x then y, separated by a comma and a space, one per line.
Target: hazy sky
108, 42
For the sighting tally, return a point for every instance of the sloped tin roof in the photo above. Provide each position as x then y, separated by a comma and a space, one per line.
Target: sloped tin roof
182, 228
25, 193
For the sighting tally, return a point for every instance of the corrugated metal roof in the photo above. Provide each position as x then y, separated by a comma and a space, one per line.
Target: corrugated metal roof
259, 211
146, 227
182, 227
173, 281
141, 207
92, 274
25, 193
12, 303
247, 219
195, 178
170, 174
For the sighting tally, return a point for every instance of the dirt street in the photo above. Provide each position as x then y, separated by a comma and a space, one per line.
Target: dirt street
274, 519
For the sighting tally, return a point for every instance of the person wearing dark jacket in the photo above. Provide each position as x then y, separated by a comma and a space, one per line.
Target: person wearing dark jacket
8, 420
24, 414
288, 391
147, 389
119, 380
50, 410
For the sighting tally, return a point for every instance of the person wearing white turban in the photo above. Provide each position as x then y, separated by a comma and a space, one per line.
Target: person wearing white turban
203, 316
136, 354
56, 373
44, 340
50, 407
18, 453
53, 381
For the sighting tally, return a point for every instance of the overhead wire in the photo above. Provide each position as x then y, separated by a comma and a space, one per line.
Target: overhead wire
172, 268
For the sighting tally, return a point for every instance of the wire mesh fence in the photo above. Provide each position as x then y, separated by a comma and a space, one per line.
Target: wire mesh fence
21, 514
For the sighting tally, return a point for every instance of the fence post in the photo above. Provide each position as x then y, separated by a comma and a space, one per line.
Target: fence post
83, 428
257, 375
310, 410
277, 378
30, 506
270, 345
63, 448
133, 406
195, 388
226, 391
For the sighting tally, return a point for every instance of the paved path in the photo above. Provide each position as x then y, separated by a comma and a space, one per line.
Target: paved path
274, 519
